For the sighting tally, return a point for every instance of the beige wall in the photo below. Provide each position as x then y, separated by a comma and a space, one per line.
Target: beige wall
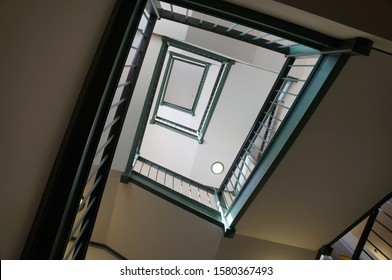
45, 51
104, 217
247, 248
369, 16
144, 226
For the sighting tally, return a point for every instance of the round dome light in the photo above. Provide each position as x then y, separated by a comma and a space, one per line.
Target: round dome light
217, 167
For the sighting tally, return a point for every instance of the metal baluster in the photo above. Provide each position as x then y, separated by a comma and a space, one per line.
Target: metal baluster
246, 32
232, 27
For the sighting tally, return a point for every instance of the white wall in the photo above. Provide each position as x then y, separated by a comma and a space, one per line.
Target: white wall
45, 52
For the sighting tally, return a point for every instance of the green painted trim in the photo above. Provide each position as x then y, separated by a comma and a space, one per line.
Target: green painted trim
155, 79
178, 199
322, 77
223, 30
146, 111
196, 50
219, 84
186, 130
298, 50
186, 59
259, 21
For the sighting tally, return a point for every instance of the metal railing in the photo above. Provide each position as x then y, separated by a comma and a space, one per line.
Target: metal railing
232, 29
376, 239
176, 182
80, 234
282, 97
301, 63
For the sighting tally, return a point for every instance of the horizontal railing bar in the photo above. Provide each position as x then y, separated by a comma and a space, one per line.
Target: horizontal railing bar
250, 156
269, 128
147, 17
293, 79
302, 65
123, 84
274, 41
379, 236
232, 27
104, 145
141, 167
384, 226
86, 197
232, 197
280, 105
260, 36
141, 32
286, 92
190, 191
385, 213
247, 166
198, 192
289, 46
111, 124
77, 239
257, 147
70, 249
246, 31
96, 170
149, 170
202, 18
381, 252
174, 125
77, 251
224, 198
81, 218
240, 171
237, 179
208, 199
117, 103
234, 188
367, 254
130, 65
272, 116
216, 23
177, 176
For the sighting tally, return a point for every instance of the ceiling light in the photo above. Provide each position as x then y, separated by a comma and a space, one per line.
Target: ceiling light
217, 167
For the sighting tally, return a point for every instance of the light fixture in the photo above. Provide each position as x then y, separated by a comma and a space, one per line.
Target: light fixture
217, 167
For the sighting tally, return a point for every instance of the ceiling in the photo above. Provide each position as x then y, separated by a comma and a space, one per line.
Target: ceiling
338, 167
340, 19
